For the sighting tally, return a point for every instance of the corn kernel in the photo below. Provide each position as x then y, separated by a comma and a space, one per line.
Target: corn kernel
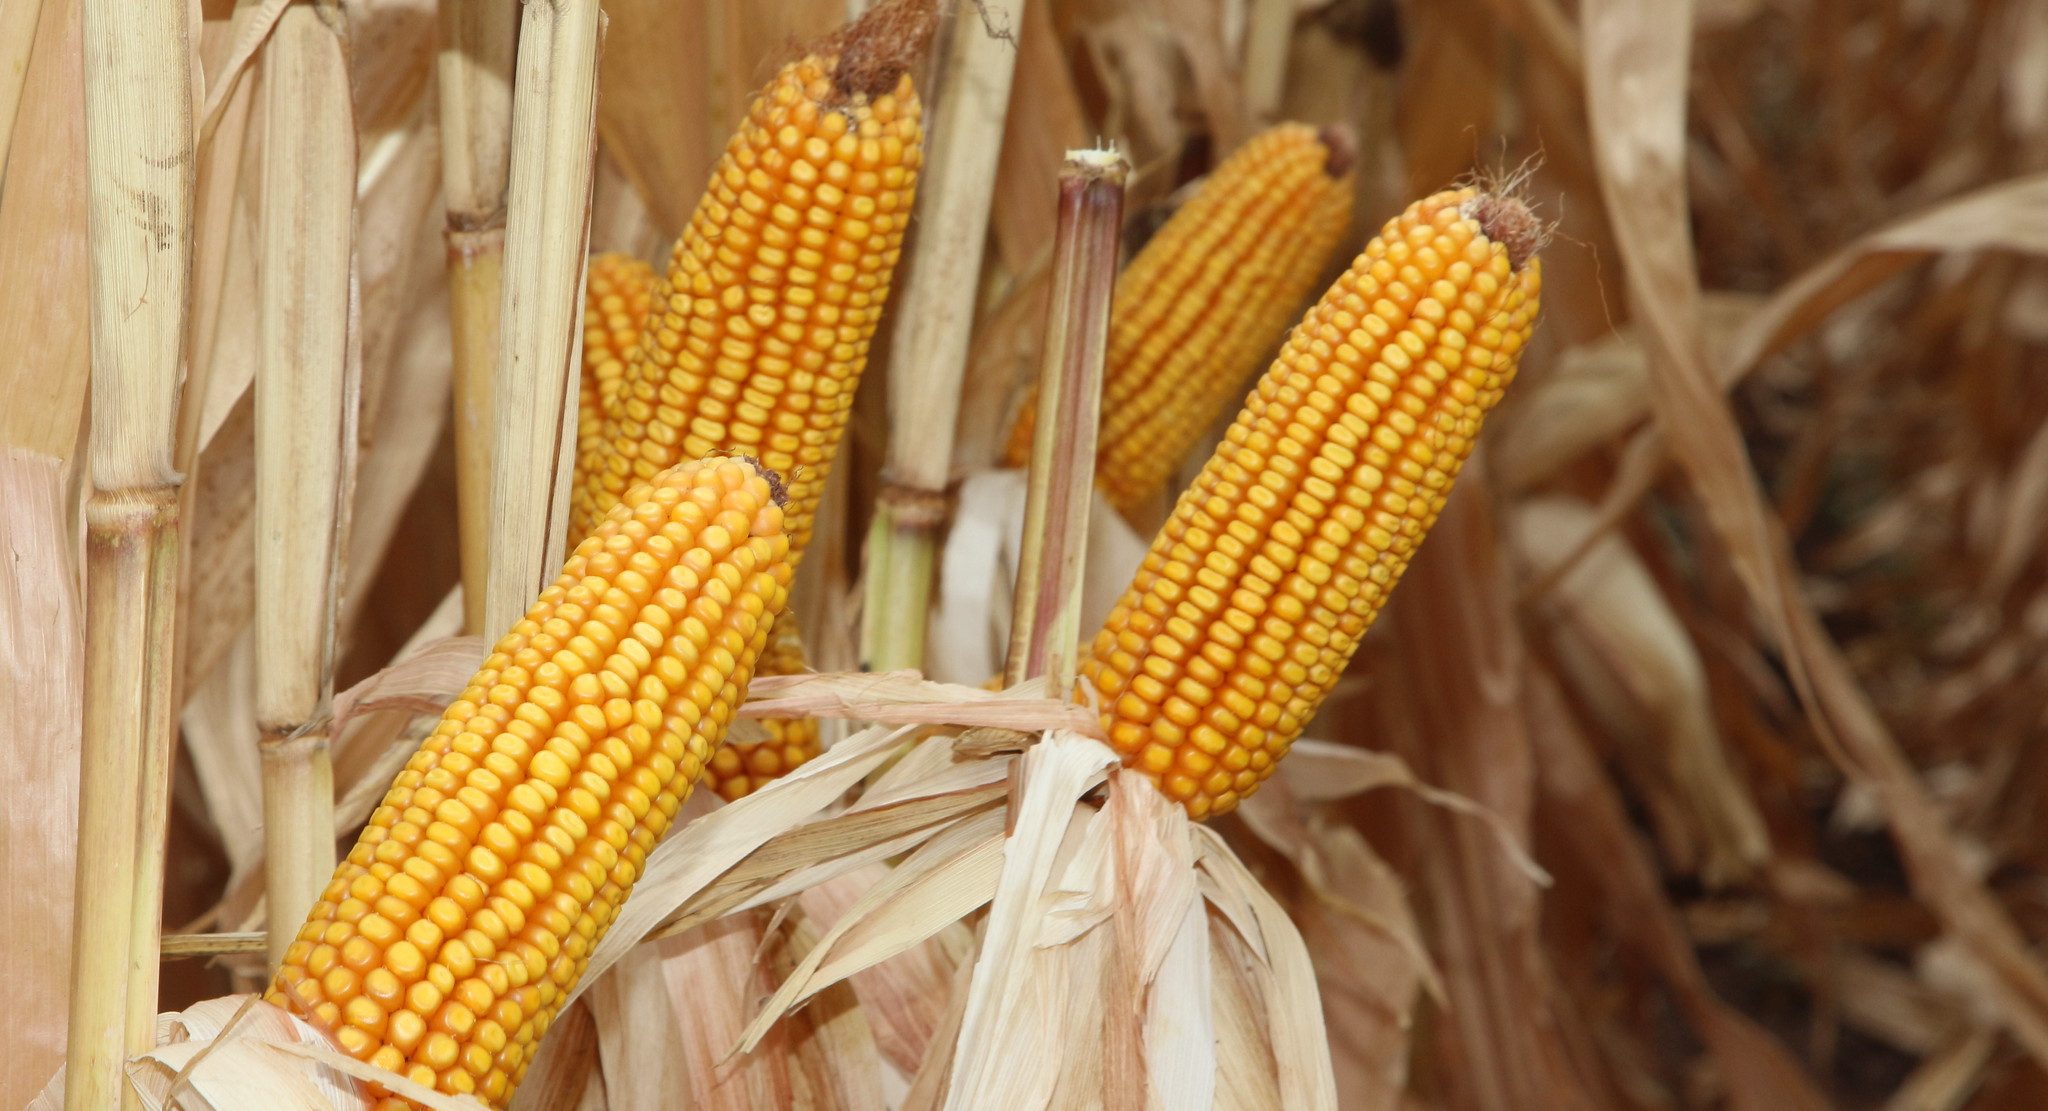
1208, 669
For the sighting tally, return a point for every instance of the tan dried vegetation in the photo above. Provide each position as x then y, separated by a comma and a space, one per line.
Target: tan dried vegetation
1712, 708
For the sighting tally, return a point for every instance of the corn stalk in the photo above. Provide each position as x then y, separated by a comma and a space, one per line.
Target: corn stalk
1045, 627
928, 354
305, 435
475, 76
546, 242
139, 108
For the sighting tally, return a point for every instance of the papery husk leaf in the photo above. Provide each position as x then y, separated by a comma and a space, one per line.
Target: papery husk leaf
945, 879
41, 650
1286, 977
1006, 1054
639, 1039
906, 996
904, 698
690, 859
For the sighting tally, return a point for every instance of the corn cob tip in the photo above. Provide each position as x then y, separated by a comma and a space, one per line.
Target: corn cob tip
1509, 222
878, 48
778, 490
1343, 147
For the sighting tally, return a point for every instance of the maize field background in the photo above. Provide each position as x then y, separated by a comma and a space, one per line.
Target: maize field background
1701, 761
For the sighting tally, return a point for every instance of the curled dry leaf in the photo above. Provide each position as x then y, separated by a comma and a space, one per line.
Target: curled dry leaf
1289, 825
2003, 217
423, 680
1629, 658
221, 1052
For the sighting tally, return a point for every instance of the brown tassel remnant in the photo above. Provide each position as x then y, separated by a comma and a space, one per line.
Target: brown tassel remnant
876, 50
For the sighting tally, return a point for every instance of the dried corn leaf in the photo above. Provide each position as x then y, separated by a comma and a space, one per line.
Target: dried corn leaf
41, 664
43, 271
639, 1039
1758, 1072
2003, 217
1009, 1050
1327, 855
1246, 1075
238, 1053
1445, 699
220, 736
219, 1054
1637, 57
840, 844
1628, 656
565, 1072
1162, 932
904, 698
423, 680
1592, 393
1045, 121
904, 998
1364, 940
689, 860
948, 877
43, 378
1283, 972
659, 118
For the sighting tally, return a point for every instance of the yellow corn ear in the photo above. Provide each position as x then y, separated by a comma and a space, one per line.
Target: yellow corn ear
617, 295
1274, 563
770, 301
742, 767
466, 911
1205, 300
615, 308
762, 322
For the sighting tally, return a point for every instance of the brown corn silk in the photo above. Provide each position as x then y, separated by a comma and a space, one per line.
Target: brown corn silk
466, 911
1205, 300
1275, 562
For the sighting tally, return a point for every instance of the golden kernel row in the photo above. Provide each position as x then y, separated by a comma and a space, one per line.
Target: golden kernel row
1253, 596
762, 323
468, 907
